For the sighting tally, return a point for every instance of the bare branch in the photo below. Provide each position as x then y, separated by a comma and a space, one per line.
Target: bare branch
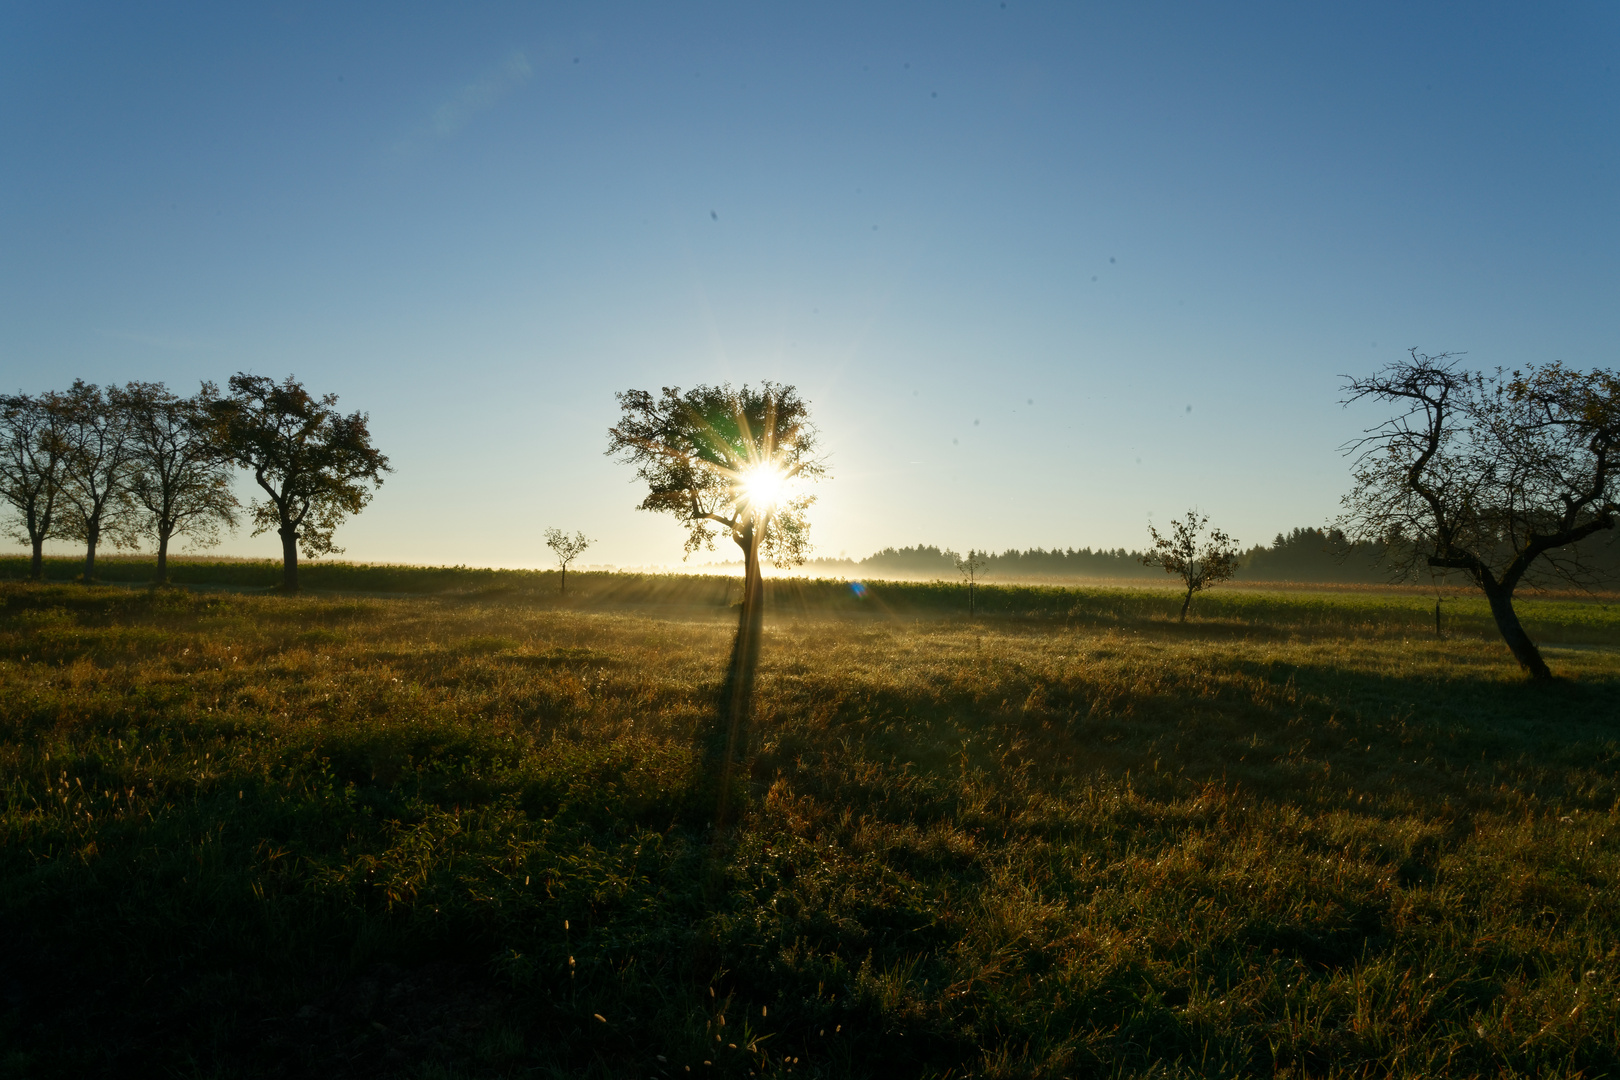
1495, 474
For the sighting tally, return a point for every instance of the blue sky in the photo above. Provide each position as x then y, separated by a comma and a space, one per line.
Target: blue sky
1001, 249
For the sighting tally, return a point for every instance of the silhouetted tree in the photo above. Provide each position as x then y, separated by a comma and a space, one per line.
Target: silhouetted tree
97, 464
567, 549
32, 446
315, 465
1198, 563
181, 472
1492, 475
727, 461
971, 566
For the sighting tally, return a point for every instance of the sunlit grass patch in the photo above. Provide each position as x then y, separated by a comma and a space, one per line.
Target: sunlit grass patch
443, 835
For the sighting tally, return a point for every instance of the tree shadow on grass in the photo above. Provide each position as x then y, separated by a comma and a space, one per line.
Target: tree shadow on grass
970, 867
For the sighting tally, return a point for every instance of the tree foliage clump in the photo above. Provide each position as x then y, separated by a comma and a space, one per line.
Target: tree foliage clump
98, 463
33, 444
315, 465
131, 462
1499, 475
1198, 561
725, 461
181, 480
567, 549
1316, 554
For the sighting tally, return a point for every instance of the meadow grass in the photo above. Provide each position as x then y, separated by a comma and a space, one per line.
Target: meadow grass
470, 834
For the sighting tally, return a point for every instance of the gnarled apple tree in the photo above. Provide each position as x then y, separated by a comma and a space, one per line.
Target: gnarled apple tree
33, 446
1497, 475
730, 462
181, 482
98, 463
315, 465
725, 461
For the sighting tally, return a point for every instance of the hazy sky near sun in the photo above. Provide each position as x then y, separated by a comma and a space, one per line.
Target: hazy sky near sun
1002, 249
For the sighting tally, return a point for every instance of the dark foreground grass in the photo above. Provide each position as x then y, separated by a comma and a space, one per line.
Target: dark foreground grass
468, 835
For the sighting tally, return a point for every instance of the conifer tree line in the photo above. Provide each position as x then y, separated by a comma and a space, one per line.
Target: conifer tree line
135, 464
1307, 554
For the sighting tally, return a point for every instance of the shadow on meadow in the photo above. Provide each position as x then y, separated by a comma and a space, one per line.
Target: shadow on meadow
445, 837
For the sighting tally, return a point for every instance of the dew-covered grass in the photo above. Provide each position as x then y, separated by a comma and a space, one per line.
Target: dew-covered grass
471, 835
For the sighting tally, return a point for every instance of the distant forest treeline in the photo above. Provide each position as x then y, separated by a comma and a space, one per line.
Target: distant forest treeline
1304, 555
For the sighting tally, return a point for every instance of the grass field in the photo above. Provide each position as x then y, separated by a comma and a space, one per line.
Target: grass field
469, 834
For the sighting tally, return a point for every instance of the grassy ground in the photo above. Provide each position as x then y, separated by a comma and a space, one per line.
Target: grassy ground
468, 835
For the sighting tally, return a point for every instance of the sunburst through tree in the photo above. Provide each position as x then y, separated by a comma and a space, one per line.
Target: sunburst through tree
731, 462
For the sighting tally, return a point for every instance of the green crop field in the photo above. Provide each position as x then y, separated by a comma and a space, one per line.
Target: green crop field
470, 832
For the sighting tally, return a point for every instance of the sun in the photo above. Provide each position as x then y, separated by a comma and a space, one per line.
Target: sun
763, 487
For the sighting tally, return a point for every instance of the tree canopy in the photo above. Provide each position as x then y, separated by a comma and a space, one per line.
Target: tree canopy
32, 448
1498, 475
725, 461
98, 463
315, 465
567, 549
1199, 563
181, 481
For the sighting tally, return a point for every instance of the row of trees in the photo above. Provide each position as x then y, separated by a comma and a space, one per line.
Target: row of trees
132, 463
1493, 475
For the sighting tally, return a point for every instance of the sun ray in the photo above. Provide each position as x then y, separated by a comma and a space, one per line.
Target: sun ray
763, 486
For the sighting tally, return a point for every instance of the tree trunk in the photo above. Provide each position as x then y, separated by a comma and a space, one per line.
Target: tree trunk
970, 600
36, 565
739, 693
1185, 604
289, 559
1438, 632
163, 558
562, 583
752, 621
1518, 642
92, 537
